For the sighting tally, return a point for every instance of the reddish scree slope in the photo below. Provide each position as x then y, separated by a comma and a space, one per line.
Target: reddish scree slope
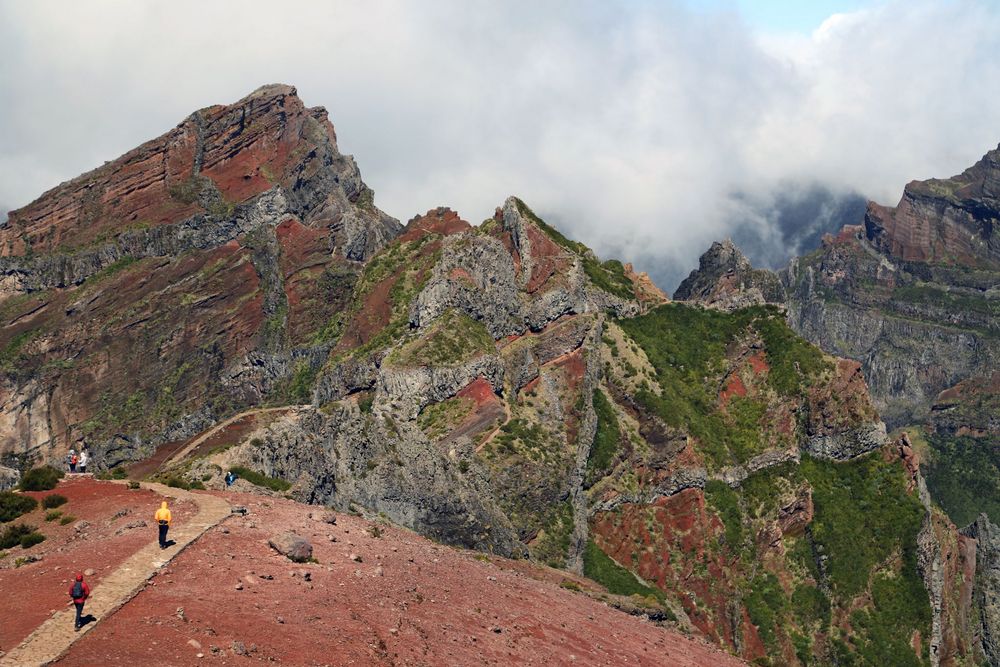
407, 602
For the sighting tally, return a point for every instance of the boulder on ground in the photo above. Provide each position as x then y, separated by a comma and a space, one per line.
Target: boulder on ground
291, 545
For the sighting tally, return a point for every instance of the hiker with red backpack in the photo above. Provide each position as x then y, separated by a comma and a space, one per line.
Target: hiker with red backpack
79, 591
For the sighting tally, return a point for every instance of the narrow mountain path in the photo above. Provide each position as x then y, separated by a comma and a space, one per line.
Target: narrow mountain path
55, 636
191, 446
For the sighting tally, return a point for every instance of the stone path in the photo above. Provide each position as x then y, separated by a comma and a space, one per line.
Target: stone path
55, 636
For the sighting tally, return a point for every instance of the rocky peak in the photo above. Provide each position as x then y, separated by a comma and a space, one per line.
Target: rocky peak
943, 221
222, 158
725, 279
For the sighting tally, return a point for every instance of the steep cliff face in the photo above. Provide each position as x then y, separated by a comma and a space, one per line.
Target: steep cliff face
951, 221
129, 294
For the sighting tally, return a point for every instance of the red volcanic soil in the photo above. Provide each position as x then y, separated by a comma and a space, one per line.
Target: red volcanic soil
32, 592
441, 221
403, 601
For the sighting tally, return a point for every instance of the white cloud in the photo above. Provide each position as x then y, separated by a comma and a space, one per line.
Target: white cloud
631, 124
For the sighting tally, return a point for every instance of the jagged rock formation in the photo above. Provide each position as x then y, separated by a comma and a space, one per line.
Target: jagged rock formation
725, 280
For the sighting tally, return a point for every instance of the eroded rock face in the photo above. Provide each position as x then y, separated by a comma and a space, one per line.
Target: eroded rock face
944, 221
987, 586
725, 279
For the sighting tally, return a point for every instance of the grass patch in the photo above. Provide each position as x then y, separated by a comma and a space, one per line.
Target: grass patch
609, 276
726, 503
10, 354
766, 604
66, 520
552, 543
118, 472
607, 438
13, 505
54, 500
43, 478
863, 514
53, 515
453, 338
437, 419
600, 567
257, 479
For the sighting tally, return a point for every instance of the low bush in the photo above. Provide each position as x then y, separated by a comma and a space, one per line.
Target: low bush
53, 515
11, 536
257, 479
43, 478
69, 518
13, 505
54, 500
31, 539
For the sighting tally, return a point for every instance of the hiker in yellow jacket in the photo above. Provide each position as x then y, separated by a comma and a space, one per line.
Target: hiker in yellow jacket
163, 521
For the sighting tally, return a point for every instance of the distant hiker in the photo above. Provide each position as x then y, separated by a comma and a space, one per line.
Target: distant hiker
70, 460
84, 457
79, 591
230, 478
163, 521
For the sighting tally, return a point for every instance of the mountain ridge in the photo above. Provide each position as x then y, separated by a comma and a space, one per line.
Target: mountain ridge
497, 387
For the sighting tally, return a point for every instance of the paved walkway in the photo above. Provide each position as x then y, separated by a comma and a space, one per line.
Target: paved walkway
55, 636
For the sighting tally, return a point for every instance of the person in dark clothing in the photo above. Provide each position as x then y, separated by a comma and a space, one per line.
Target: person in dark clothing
230, 478
79, 591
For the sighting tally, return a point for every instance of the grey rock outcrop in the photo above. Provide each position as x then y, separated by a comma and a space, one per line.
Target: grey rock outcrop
295, 548
344, 458
847, 445
9, 478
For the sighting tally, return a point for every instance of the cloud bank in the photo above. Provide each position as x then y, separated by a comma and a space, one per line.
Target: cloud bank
645, 129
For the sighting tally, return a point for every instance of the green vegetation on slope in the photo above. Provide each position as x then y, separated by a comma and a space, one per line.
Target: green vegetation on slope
964, 478
257, 479
550, 231
864, 527
687, 347
608, 276
600, 567
453, 338
865, 520
606, 439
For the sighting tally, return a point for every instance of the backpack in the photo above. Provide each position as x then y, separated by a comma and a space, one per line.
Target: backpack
77, 591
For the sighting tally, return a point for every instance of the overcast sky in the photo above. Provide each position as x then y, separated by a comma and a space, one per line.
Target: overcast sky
645, 129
